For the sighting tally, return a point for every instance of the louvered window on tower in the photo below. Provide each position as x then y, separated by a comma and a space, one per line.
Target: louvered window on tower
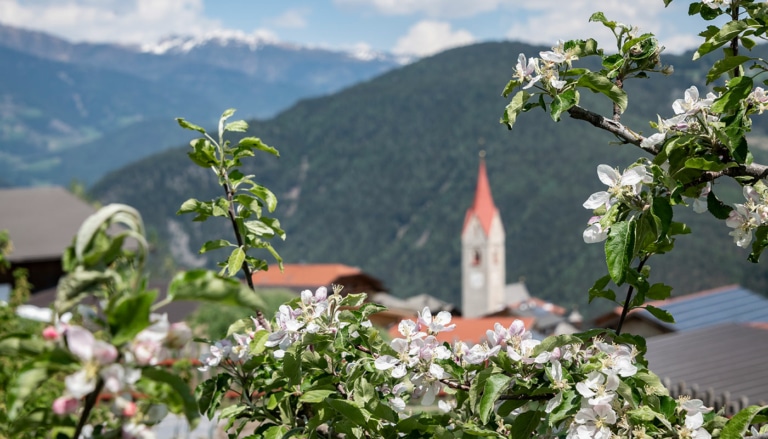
476, 258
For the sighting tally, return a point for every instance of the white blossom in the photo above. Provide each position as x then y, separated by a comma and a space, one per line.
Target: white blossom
627, 183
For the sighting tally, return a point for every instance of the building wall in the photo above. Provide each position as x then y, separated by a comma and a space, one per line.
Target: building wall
483, 274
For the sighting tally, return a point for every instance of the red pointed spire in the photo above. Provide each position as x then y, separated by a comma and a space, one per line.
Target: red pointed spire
483, 206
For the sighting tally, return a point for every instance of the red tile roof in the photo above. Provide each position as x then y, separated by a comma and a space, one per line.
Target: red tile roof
302, 275
472, 331
483, 207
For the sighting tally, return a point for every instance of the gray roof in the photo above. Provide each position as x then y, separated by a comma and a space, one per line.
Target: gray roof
712, 307
41, 221
516, 293
413, 303
729, 357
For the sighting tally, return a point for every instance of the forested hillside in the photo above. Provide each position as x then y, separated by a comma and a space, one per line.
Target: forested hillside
380, 175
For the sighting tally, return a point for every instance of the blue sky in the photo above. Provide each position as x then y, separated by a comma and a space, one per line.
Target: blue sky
408, 27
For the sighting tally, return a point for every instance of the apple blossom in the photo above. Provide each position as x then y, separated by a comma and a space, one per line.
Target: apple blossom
594, 232
436, 324
524, 71
593, 422
620, 186
716, 4
691, 103
599, 388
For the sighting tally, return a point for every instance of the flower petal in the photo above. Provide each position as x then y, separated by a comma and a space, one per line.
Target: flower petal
608, 175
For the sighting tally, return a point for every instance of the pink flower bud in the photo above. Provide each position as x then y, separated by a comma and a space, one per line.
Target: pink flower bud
50, 333
130, 409
65, 405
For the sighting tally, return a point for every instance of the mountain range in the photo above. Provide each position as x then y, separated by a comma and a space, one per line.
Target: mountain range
73, 111
379, 175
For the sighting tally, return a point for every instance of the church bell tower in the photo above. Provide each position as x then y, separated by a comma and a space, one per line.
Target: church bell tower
483, 274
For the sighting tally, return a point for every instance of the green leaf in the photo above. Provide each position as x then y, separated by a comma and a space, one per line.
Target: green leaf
525, 424
227, 113
180, 388
214, 245
190, 126
724, 65
350, 410
659, 291
25, 384
370, 308
738, 89
761, 241
315, 396
717, 208
600, 84
605, 294
130, 316
706, 165
619, 249
207, 286
514, 108
19, 344
600, 18
662, 214
109, 214
510, 87
563, 102
507, 406
494, 386
258, 228
478, 384
255, 142
235, 261
353, 300
266, 195
677, 228
292, 367
641, 415
210, 392
660, 314
738, 425
259, 342
276, 432
724, 35
203, 153
236, 126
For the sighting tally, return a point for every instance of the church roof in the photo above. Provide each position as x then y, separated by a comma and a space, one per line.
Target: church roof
483, 207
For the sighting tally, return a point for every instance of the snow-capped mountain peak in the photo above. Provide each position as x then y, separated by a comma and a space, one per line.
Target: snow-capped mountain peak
186, 43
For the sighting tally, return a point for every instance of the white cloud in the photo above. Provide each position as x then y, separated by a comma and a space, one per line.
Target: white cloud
125, 21
546, 21
292, 19
428, 37
431, 8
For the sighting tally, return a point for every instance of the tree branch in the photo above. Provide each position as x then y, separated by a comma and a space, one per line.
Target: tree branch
626, 135
616, 128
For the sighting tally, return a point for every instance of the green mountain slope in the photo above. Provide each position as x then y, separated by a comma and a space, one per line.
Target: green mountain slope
50, 107
380, 176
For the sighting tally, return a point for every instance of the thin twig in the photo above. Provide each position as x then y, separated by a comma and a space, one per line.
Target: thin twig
625, 310
246, 269
735, 40
90, 403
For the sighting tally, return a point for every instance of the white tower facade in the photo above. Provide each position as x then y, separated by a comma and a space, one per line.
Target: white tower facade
483, 273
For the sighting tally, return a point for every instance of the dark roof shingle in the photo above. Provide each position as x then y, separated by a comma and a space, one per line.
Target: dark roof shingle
729, 357
41, 221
